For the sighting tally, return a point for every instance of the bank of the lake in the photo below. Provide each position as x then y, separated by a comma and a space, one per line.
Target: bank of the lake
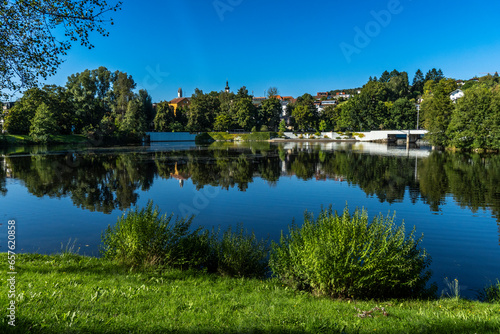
71, 293
18, 140
8, 140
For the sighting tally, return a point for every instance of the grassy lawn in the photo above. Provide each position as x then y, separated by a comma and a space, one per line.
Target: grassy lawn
59, 139
75, 294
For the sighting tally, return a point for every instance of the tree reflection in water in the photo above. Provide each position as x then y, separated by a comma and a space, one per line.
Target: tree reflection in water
107, 181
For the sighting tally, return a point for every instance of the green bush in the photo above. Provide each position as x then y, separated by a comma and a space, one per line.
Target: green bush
491, 293
318, 134
238, 254
264, 128
254, 129
144, 238
338, 138
301, 136
346, 256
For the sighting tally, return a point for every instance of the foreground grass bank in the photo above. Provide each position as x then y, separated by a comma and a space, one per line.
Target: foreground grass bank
75, 294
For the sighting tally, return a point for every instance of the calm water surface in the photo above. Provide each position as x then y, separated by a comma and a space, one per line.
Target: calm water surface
58, 194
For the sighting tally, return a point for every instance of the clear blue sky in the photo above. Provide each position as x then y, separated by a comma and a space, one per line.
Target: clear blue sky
297, 46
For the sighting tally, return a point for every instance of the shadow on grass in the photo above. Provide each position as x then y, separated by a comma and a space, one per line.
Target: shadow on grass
25, 327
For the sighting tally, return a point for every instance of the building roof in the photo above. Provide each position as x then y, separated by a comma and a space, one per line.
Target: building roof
178, 100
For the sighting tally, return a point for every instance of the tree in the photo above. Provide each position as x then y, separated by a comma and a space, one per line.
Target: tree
134, 120
123, 86
44, 124
282, 126
272, 92
399, 86
304, 117
385, 77
475, 122
147, 107
311, 115
269, 112
331, 115
418, 83
203, 110
29, 49
82, 88
222, 122
243, 93
164, 117
435, 75
403, 115
245, 113
18, 120
436, 111
58, 100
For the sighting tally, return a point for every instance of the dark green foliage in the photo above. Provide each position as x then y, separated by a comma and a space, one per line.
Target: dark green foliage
346, 256
43, 125
164, 117
238, 253
490, 294
146, 238
436, 112
18, 120
269, 113
403, 115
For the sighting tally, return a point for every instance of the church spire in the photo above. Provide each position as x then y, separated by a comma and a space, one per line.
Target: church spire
227, 86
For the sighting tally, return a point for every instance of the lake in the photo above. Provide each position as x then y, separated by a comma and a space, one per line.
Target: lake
59, 194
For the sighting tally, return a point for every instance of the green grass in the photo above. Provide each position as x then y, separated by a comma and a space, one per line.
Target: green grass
27, 140
223, 136
74, 294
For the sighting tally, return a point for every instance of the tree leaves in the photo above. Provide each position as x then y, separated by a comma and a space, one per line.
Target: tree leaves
29, 50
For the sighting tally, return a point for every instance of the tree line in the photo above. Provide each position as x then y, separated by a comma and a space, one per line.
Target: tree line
91, 101
470, 123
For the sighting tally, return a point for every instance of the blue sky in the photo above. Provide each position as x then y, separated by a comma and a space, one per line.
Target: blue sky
297, 46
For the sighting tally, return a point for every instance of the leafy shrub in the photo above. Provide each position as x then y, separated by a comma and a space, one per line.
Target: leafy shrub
490, 294
254, 129
346, 256
264, 128
238, 254
338, 138
301, 136
326, 137
144, 238
318, 134
312, 137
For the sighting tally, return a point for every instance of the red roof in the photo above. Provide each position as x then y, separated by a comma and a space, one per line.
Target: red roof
178, 100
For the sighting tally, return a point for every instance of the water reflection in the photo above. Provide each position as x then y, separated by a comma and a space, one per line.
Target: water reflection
106, 180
